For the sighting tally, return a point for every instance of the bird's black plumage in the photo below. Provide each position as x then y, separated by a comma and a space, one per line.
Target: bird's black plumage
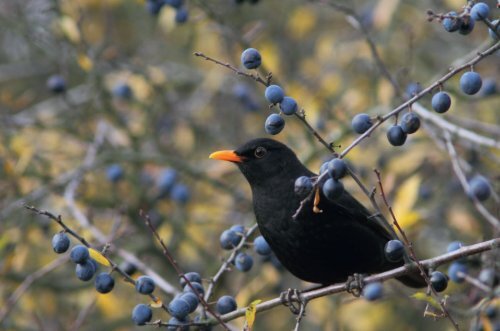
324, 247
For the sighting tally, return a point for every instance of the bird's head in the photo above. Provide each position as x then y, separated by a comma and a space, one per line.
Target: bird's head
261, 160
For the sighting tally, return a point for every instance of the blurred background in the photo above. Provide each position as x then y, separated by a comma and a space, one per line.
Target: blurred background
105, 111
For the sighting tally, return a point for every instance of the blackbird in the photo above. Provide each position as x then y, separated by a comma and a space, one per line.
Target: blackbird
324, 248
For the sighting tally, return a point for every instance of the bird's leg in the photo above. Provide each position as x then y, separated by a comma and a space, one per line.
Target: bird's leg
355, 284
293, 300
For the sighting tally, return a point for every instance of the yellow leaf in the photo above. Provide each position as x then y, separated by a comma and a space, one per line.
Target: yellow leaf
250, 314
421, 296
69, 28
406, 198
85, 62
96, 255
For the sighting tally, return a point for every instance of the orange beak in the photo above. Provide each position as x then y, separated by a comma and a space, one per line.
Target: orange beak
226, 156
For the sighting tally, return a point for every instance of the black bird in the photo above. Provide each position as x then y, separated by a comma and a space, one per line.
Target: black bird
322, 248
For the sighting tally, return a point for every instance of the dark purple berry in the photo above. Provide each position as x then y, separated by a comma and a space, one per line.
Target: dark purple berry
333, 189
361, 123
396, 135
60, 242
410, 123
250, 58
141, 314
441, 102
226, 304
274, 124
145, 285
373, 291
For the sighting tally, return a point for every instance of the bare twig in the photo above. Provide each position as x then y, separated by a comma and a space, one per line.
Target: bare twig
26, 284
225, 265
342, 287
465, 185
409, 245
178, 270
113, 265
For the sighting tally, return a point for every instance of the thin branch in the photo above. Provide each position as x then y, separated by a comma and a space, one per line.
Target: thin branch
225, 265
114, 266
455, 129
178, 270
418, 96
409, 245
26, 284
390, 274
465, 185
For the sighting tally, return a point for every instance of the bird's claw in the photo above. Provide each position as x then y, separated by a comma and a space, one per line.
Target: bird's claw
294, 301
355, 284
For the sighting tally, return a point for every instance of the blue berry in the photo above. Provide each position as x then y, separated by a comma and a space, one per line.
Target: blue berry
480, 188
396, 135
489, 87
373, 291
179, 308
141, 314
114, 173
79, 254
145, 285
128, 268
166, 181
180, 193
229, 239
303, 186
60, 242
413, 89
441, 102
453, 246
192, 299
288, 106
242, 92
337, 168
123, 91
454, 270
410, 123
238, 228
85, 270
493, 35
361, 123
274, 124
181, 15
56, 84
324, 167
226, 304
452, 24
274, 94
439, 281
174, 3
261, 246
197, 286
467, 26
154, 6
243, 262
480, 11
191, 276
333, 189
104, 283
250, 58
176, 324
394, 250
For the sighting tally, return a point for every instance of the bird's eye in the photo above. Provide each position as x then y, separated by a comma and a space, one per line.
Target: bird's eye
260, 152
